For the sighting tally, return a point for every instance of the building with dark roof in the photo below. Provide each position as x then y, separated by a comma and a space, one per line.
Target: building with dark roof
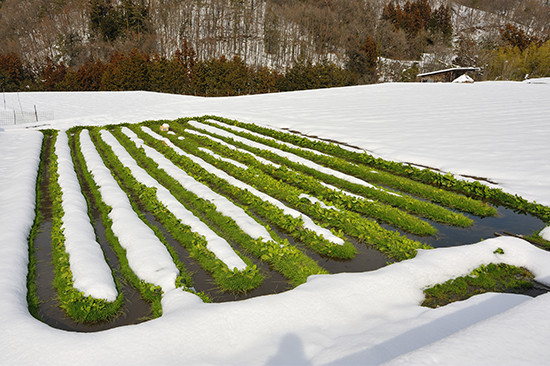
444, 76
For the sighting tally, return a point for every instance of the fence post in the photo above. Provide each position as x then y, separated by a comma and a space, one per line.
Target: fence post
14, 117
35, 113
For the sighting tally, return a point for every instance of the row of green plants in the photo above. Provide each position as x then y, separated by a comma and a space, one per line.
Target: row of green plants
409, 204
539, 240
486, 278
149, 292
78, 306
445, 181
390, 242
184, 279
286, 259
428, 192
227, 279
376, 210
253, 205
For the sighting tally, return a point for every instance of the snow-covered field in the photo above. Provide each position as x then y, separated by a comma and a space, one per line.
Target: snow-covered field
494, 130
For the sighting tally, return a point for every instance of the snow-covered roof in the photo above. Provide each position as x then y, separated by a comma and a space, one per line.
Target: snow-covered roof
458, 69
463, 79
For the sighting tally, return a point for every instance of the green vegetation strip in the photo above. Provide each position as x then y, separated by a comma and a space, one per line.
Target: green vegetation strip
228, 279
537, 239
376, 210
409, 204
490, 278
447, 181
79, 307
248, 201
148, 291
353, 224
184, 279
447, 198
287, 259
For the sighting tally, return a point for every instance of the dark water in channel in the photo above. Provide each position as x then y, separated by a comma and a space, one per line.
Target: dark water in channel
483, 228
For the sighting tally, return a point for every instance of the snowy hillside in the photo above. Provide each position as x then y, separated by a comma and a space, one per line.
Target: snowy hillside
497, 132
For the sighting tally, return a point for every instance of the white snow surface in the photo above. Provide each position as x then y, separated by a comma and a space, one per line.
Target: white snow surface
315, 200
216, 244
225, 206
233, 147
463, 79
330, 186
495, 130
290, 156
240, 129
91, 274
538, 81
307, 221
147, 256
230, 161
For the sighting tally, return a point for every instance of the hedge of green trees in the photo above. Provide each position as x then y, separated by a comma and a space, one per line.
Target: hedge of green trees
180, 74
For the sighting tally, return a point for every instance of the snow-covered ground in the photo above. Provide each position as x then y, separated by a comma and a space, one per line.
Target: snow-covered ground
494, 130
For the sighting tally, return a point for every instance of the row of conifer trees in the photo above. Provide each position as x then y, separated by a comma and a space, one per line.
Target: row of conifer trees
180, 74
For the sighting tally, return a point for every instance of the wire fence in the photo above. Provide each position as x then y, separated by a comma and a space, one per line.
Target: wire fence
13, 117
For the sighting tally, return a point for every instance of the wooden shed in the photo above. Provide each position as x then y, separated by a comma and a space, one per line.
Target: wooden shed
444, 76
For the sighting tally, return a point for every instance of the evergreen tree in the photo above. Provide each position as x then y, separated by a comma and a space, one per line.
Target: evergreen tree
110, 79
301, 76
389, 13
52, 75
182, 67
11, 71
363, 61
441, 22
88, 76
237, 77
178, 77
105, 20
330, 75
517, 37
264, 80
413, 17
200, 83
134, 15
512, 63
134, 71
159, 74
218, 76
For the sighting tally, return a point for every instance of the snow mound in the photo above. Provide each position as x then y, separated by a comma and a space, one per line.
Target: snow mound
463, 79
537, 81
545, 233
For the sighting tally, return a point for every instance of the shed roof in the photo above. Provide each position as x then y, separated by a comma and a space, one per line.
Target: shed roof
461, 69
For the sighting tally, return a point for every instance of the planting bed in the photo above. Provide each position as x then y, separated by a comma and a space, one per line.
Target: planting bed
229, 211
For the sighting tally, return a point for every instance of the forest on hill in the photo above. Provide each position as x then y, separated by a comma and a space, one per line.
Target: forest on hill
231, 47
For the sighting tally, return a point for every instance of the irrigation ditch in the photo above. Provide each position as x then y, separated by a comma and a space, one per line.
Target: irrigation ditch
341, 205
